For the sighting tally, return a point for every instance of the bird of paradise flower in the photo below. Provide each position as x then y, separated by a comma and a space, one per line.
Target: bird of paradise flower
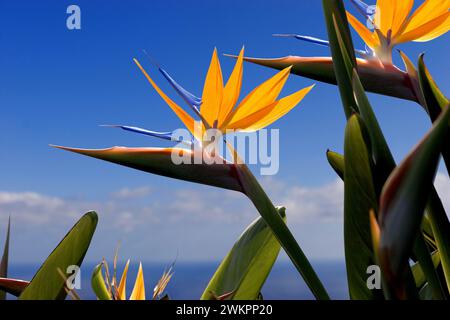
394, 24
217, 109
390, 24
109, 288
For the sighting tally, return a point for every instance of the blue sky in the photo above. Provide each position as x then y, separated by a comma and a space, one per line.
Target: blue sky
57, 86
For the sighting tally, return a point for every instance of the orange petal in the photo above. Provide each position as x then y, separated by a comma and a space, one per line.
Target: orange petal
439, 30
260, 97
248, 120
187, 120
232, 89
121, 290
384, 15
276, 110
402, 10
368, 37
212, 91
427, 31
428, 10
138, 292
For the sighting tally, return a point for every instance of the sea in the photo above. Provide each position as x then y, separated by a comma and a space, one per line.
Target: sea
191, 278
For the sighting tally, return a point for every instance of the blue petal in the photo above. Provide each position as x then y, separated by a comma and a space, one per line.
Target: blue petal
371, 10
190, 99
161, 135
305, 38
193, 101
369, 50
320, 42
366, 10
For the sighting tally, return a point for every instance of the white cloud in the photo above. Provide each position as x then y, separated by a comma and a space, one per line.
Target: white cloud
306, 204
30, 207
144, 206
209, 205
132, 193
442, 183
325, 202
174, 219
179, 219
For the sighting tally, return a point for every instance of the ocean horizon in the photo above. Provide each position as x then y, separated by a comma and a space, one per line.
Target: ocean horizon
191, 278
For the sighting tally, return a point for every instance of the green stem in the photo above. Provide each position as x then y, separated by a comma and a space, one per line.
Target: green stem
426, 263
441, 231
268, 212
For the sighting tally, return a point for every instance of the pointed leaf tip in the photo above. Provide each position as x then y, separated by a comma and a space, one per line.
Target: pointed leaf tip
99, 285
159, 161
13, 286
245, 268
5, 258
48, 284
403, 201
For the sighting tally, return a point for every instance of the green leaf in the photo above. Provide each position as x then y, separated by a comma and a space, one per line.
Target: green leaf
427, 232
246, 267
441, 229
336, 161
359, 199
98, 284
342, 51
381, 155
426, 293
352, 91
413, 78
419, 275
435, 102
434, 98
436, 223
13, 286
4, 261
159, 161
47, 283
385, 164
269, 213
403, 202
360, 196
426, 268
